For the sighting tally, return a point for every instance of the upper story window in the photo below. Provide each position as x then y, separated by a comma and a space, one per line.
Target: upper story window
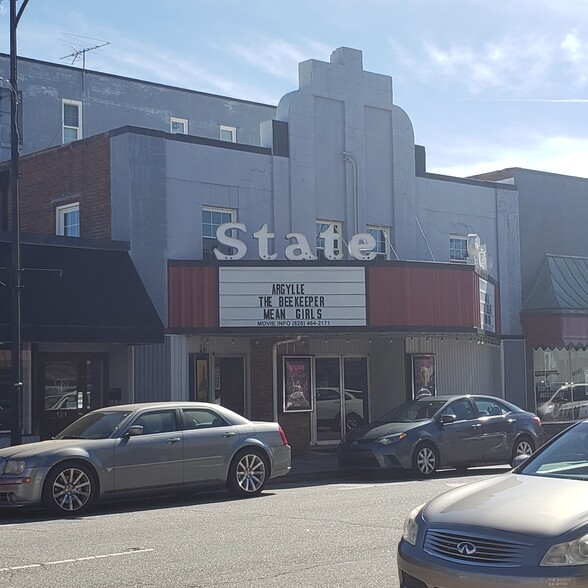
228, 134
72, 120
323, 226
382, 237
458, 248
178, 126
67, 220
212, 219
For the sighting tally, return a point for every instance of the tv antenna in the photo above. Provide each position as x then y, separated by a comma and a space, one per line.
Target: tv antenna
80, 47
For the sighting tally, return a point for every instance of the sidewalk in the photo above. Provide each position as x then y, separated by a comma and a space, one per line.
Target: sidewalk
314, 464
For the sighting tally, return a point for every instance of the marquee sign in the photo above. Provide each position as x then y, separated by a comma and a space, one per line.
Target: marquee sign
292, 297
487, 306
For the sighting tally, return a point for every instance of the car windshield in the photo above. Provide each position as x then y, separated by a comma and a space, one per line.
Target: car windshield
566, 457
413, 411
94, 425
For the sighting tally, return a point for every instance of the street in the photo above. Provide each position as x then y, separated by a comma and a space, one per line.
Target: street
341, 534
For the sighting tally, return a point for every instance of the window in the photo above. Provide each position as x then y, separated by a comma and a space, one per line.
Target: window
212, 219
67, 220
197, 418
179, 126
460, 409
458, 248
490, 407
228, 134
382, 237
72, 120
321, 227
161, 421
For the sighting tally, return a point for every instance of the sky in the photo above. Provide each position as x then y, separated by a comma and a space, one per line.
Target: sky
487, 85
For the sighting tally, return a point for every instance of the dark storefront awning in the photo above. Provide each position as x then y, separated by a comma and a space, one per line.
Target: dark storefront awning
555, 314
96, 296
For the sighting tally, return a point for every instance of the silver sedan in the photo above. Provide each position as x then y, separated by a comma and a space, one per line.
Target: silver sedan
528, 527
122, 451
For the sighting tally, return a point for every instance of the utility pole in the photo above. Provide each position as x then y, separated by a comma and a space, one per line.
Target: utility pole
16, 273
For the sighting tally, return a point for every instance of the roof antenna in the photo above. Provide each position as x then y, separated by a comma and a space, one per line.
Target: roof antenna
78, 44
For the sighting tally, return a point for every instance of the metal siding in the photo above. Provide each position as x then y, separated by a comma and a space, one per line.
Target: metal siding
427, 297
193, 296
462, 367
152, 372
178, 367
514, 370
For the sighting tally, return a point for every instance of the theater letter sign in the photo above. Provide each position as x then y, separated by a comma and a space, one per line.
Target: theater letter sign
292, 296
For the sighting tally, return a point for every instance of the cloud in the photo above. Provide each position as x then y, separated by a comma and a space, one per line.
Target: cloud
514, 64
576, 52
556, 154
510, 62
278, 57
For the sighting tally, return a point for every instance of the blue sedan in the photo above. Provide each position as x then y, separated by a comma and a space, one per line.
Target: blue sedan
442, 431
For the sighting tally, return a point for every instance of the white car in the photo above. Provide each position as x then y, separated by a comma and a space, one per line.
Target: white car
567, 403
328, 408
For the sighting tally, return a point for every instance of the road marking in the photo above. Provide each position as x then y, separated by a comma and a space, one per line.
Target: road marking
79, 559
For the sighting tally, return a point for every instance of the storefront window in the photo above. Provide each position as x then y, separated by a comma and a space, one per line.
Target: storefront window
561, 383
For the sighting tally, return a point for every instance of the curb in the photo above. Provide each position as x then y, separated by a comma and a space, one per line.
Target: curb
294, 477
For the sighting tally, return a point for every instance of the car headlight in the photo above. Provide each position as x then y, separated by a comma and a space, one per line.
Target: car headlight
14, 468
411, 528
570, 553
391, 438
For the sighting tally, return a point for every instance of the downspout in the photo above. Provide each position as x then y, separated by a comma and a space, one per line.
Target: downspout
275, 370
350, 157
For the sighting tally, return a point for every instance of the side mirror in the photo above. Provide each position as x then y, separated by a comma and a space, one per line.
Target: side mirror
134, 431
447, 418
518, 460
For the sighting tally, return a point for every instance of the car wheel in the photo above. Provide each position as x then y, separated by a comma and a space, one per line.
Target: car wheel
425, 460
522, 446
70, 489
248, 473
352, 421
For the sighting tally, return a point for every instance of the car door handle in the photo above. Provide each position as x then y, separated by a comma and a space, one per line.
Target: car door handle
174, 440
512, 420
475, 426
229, 434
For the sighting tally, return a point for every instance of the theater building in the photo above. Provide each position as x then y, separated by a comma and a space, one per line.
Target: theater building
313, 273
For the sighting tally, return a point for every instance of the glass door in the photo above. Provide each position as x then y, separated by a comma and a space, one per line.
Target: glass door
229, 383
69, 386
341, 396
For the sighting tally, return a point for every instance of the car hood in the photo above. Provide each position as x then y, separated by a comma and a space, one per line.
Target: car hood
44, 448
376, 430
532, 505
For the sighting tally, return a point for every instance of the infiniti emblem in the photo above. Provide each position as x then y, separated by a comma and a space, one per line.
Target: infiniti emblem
466, 548
355, 443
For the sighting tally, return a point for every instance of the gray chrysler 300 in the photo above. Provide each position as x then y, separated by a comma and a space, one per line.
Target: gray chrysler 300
143, 448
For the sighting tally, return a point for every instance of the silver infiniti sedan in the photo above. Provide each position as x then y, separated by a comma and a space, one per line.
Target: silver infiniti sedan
143, 448
528, 527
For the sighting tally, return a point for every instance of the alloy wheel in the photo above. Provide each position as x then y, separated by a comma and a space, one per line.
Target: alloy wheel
250, 472
72, 489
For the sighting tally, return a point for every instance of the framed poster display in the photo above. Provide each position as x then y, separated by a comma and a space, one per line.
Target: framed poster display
297, 384
423, 376
199, 377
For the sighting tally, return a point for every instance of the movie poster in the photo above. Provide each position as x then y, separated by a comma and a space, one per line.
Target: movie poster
423, 376
297, 384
